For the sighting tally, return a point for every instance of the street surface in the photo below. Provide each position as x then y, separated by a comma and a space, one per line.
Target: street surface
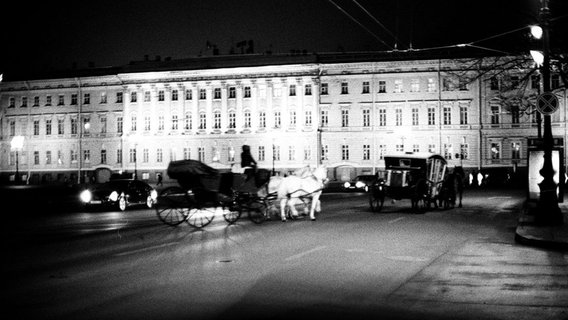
350, 263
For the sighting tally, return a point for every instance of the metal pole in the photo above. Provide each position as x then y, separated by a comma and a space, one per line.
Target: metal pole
548, 212
17, 178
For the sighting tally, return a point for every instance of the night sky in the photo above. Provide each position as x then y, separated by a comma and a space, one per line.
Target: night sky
50, 35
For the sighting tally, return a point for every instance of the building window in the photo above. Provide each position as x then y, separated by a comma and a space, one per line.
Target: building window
60, 126
344, 88
232, 119
134, 97
232, 92
87, 98
119, 97
119, 156
103, 97
494, 114
431, 116
515, 114
147, 96
217, 119
36, 127
432, 148
308, 118
308, 90
495, 151
447, 115
147, 123
345, 118
161, 123
344, 152
382, 117
217, 93
431, 85
414, 85
132, 155
448, 150
174, 95
276, 152
159, 155
73, 156
119, 124
36, 157
145, 155
447, 84
188, 94
366, 152
464, 151
133, 122
261, 153
161, 95
366, 118
398, 86
202, 94
103, 156
324, 89
382, 151
291, 153
247, 92
399, 147
24, 102
415, 116
382, 86
398, 117
494, 83
262, 119
48, 127
516, 150
74, 126
12, 102
48, 157
292, 118
292, 90
463, 115
463, 84
415, 148
186, 153
103, 123
61, 100
202, 121
175, 122
324, 118
187, 121
87, 155
48, 101
366, 87
277, 119
307, 153
324, 152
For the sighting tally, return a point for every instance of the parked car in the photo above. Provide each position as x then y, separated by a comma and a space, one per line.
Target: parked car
360, 183
120, 193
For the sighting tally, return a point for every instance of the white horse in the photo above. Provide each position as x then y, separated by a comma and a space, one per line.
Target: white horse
292, 187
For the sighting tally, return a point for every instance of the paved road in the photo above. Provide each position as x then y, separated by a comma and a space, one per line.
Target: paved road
350, 263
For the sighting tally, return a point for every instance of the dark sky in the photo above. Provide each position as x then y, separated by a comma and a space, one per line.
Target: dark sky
56, 34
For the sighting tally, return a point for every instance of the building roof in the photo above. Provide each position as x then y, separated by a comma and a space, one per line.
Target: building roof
251, 60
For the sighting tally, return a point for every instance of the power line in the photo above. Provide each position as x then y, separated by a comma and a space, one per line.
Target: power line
375, 19
360, 24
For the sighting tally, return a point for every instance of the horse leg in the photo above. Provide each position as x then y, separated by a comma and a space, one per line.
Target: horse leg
315, 201
292, 205
283, 202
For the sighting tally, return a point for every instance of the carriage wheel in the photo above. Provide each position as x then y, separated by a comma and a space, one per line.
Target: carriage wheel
257, 211
231, 210
200, 217
172, 206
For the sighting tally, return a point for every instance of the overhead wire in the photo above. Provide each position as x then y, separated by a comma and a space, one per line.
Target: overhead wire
375, 19
361, 25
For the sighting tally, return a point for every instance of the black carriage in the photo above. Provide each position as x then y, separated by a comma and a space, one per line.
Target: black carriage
414, 176
205, 192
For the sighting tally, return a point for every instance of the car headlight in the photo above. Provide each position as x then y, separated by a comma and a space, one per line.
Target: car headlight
113, 196
346, 185
86, 196
154, 195
359, 184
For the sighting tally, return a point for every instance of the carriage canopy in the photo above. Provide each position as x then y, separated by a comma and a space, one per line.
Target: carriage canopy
405, 169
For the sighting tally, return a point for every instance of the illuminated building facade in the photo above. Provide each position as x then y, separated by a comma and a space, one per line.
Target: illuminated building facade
343, 111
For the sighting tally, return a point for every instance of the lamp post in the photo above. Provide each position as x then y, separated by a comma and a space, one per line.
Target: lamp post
17, 144
547, 210
135, 160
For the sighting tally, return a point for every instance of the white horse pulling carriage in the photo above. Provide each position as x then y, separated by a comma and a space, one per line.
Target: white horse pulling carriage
304, 186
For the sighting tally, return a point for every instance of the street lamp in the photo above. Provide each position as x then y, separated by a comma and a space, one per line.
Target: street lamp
17, 144
547, 211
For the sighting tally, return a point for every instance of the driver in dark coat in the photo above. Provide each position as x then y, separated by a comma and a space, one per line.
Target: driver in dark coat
247, 162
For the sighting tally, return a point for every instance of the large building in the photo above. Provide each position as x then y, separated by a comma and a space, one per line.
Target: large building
345, 111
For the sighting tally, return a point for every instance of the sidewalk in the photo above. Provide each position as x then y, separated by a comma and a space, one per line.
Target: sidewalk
530, 233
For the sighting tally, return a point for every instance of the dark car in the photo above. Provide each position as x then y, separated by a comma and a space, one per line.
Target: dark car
360, 183
121, 193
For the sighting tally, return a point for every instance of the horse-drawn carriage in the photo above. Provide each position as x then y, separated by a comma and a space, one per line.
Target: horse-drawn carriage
204, 192
415, 176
